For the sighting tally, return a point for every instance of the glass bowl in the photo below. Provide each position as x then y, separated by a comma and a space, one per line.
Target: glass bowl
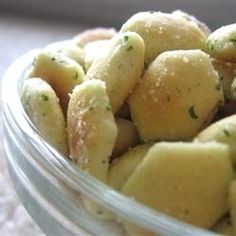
52, 188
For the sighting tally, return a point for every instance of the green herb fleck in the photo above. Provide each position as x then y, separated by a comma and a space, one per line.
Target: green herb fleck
108, 108
221, 78
34, 61
90, 108
145, 65
192, 112
129, 48
226, 132
212, 45
232, 40
126, 38
53, 58
44, 97
218, 86
75, 76
44, 114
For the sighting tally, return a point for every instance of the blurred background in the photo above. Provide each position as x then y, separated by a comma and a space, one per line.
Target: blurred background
114, 12
28, 24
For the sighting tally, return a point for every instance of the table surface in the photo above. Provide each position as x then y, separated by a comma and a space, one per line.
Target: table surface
18, 35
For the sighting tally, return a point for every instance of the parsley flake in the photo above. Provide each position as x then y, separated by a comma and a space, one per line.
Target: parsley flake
108, 108
44, 97
126, 38
34, 61
145, 65
129, 48
226, 132
233, 40
212, 45
75, 76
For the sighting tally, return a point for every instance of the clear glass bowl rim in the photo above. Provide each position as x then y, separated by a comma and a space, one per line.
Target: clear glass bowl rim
54, 164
